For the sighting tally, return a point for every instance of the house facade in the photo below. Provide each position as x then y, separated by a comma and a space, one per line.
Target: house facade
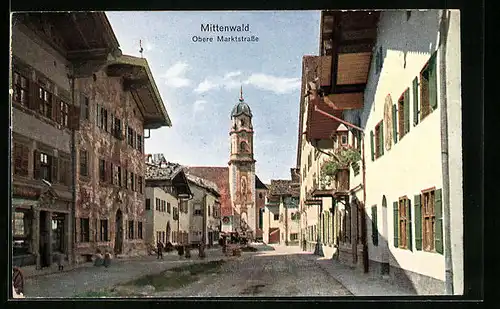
382, 96
281, 214
166, 187
118, 103
48, 52
204, 206
409, 81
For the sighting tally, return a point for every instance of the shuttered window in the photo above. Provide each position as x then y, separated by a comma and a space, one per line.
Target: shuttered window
418, 221
20, 159
374, 226
63, 118
44, 167
372, 150
428, 87
84, 107
395, 123
84, 161
416, 107
404, 114
395, 208
379, 139
404, 223
84, 230
432, 221
45, 98
21, 88
102, 170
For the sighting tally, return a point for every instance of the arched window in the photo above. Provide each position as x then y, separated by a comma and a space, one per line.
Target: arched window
242, 122
243, 147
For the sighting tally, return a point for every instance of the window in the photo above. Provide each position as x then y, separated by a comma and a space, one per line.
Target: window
309, 161
260, 195
197, 210
119, 175
243, 147
125, 181
374, 226
21, 89
402, 226
276, 217
117, 128
20, 160
379, 139
157, 204
139, 142
428, 87
139, 184
43, 166
139, 230
102, 170
175, 213
45, 102
163, 206
169, 208
343, 139
294, 236
130, 136
404, 114
428, 220
132, 181
85, 108
148, 204
104, 231
84, 230
242, 122
84, 159
102, 118
131, 230
64, 110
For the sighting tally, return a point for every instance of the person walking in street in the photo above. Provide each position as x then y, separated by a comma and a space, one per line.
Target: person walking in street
159, 249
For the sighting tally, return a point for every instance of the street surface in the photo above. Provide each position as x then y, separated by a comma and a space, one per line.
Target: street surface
282, 272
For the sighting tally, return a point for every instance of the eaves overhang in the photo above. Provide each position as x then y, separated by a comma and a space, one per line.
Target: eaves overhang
138, 79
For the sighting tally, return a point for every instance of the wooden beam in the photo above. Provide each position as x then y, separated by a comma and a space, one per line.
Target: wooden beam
335, 58
349, 88
77, 25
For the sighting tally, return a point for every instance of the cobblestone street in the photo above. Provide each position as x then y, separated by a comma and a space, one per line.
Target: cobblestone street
280, 272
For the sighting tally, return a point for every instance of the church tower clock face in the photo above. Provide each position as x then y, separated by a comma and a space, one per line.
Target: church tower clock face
242, 167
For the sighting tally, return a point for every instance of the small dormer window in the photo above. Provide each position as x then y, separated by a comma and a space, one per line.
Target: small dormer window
343, 139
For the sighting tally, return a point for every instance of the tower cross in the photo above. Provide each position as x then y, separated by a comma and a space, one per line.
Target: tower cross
241, 93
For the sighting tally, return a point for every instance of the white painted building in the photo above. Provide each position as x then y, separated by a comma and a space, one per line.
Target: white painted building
404, 176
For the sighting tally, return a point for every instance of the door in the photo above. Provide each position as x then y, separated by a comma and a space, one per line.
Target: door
118, 232
169, 231
44, 240
274, 235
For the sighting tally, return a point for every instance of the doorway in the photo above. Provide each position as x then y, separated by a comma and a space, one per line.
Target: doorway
118, 232
385, 242
44, 240
168, 229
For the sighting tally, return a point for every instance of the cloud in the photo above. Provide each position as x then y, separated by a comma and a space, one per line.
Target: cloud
175, 75
228, 82
199, 105
232, 80
279, 85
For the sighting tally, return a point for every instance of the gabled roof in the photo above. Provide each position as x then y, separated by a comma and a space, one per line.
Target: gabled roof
166, 171
259, 184
280, 187
204, 183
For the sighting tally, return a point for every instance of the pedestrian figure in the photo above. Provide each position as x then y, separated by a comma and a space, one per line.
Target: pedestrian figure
159, 249
60, 260
107, 259
98, 258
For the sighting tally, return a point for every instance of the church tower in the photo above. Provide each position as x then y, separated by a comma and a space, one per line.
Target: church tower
242, 168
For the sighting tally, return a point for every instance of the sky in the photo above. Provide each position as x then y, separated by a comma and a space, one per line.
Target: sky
199, 82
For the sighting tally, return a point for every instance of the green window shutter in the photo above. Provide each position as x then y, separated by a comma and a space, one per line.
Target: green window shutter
371, 145
394, 123
408, 226
415, 101
406, 112
396, 224
432, 82
438, 212
418, 222
381, 138
374, 226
